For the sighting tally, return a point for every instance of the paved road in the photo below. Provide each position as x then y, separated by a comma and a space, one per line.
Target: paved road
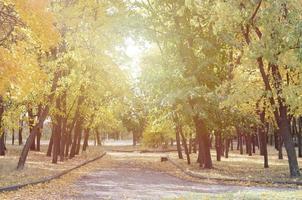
129, 182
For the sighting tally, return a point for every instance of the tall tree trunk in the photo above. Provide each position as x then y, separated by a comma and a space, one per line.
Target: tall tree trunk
86, 137
20, 132
184, 141
280, 143
240, 142
288, 143
231, 141
194, 145
2, 134
98, 137
39, 134
218, 146
50, 145
64, 133
13, 136
77, 132
227, 144
134, 137
68, 143
262, 138
299, 137
78, 144
2, 144
178, 145
41, 120
190, 144
254, 143
57, 133
249, 144
204, 144
31, 121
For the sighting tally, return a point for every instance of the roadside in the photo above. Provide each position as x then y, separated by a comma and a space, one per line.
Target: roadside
241, 167
38, 166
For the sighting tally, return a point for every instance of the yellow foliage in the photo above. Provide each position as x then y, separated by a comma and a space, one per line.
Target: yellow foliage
40, 21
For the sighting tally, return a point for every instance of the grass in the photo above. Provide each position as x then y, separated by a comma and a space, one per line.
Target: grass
38, 165
243, 167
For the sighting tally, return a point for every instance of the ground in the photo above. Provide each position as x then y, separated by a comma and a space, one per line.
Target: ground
38, 165
243, 167
134, 175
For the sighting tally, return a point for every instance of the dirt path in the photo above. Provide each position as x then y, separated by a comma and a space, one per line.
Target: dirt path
126, 180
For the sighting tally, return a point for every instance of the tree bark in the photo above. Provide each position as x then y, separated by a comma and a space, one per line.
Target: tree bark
31, 121
50, 145
204, 156
218, 146
2, 134
77, 132
227, 146
20, 132
57, 133
86, 137
184, 141
280, 143
299, 137
98, 138
178, 145
41, 120
13, 136
78, 144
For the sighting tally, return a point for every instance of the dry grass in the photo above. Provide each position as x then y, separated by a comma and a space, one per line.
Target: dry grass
242, 167
37, 166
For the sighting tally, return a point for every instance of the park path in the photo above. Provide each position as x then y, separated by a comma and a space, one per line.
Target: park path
127, 181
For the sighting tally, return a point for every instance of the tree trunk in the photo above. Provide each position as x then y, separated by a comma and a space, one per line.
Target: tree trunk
204, 156
13, 136
50, 145
2, 134
227, 144
31, 121
134, 138
20, 132
240, 145
64, 133
184, 141
289, 147
86, 137
299, 137
57, 133
98, 138
249, 144
41, 120
77, 132
218, 146
178, 146
78, 145
2, 144
231, 141
190, 144
254, 143
39, 134
280, 143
